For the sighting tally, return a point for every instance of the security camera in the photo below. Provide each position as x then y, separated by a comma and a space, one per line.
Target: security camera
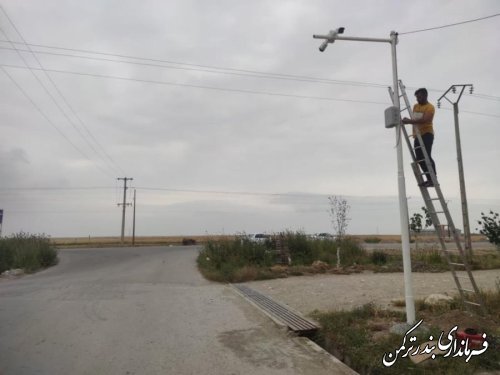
323, 46
330, 38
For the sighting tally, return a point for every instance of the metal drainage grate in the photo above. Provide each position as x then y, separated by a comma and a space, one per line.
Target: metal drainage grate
295, 322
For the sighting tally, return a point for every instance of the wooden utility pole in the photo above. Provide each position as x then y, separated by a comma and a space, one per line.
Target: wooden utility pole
124, 204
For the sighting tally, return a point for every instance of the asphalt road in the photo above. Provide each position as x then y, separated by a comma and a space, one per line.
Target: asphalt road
141, 311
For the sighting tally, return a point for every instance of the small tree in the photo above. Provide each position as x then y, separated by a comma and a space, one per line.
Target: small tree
339, 209
416, 226
428, 219
490, 227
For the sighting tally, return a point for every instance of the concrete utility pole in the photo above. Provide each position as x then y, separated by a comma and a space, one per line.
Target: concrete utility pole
463, 195
133, 222
331, 37
124, 204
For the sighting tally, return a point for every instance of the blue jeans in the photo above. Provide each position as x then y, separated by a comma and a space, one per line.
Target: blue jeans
428, 139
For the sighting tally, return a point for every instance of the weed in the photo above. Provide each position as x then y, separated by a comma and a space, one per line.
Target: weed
361, 337
27, 251
378, 258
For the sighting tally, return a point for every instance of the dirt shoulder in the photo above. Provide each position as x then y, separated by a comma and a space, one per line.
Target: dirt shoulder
344, 292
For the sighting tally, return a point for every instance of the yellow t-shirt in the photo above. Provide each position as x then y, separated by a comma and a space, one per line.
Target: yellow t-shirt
418, 112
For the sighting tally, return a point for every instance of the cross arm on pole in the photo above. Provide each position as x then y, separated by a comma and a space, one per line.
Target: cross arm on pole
333, 35
453, 89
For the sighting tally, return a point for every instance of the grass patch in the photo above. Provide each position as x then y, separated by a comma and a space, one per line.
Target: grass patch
240, 259
427, 260
362, 336
27, 251
235, 260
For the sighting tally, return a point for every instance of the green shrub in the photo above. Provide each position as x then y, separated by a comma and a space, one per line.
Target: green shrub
27, 251
430, 257
351, 253
378, 258
240, 259
223, 260
490, 227
302, 250
305, 251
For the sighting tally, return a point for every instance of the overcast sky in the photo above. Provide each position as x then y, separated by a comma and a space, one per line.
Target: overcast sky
227, 116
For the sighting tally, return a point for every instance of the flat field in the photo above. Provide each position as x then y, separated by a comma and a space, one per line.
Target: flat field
200, 239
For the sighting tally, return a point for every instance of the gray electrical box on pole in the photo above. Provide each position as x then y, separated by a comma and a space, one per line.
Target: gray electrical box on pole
392, 117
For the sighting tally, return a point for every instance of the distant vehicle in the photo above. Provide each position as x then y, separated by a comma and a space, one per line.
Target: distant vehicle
324, 236
259, 237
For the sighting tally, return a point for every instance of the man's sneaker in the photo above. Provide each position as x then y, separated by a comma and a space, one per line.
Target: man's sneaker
426, 184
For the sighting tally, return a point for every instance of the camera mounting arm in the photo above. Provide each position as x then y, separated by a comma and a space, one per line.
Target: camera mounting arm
333, 35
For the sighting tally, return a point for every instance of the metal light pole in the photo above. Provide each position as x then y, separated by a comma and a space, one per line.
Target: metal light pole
463, 195
403, 204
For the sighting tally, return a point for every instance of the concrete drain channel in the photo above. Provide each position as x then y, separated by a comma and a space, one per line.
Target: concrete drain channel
293, 321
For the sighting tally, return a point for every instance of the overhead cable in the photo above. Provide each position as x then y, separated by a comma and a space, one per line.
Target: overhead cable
200, 86
113, 163
220, 70
450, 25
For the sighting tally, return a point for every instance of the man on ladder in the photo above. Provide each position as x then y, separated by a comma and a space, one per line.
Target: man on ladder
423, 113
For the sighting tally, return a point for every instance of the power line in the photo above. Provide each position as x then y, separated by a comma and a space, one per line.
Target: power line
54, 188
215, 69
252, 74
59, 93
219, 192
173, 190
219, 88
200, 86
247, 73
450, 25
49, 120
220, 70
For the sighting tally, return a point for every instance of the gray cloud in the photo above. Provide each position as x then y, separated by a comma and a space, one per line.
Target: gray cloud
191, 134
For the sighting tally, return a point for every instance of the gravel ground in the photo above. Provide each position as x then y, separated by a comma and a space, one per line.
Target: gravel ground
326, 292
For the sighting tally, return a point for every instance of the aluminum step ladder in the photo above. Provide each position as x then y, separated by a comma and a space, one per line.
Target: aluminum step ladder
438, 210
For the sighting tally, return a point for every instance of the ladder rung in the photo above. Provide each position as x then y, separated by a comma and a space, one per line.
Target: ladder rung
467, 290
458, 264
436, 212
432, 199
472, 303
